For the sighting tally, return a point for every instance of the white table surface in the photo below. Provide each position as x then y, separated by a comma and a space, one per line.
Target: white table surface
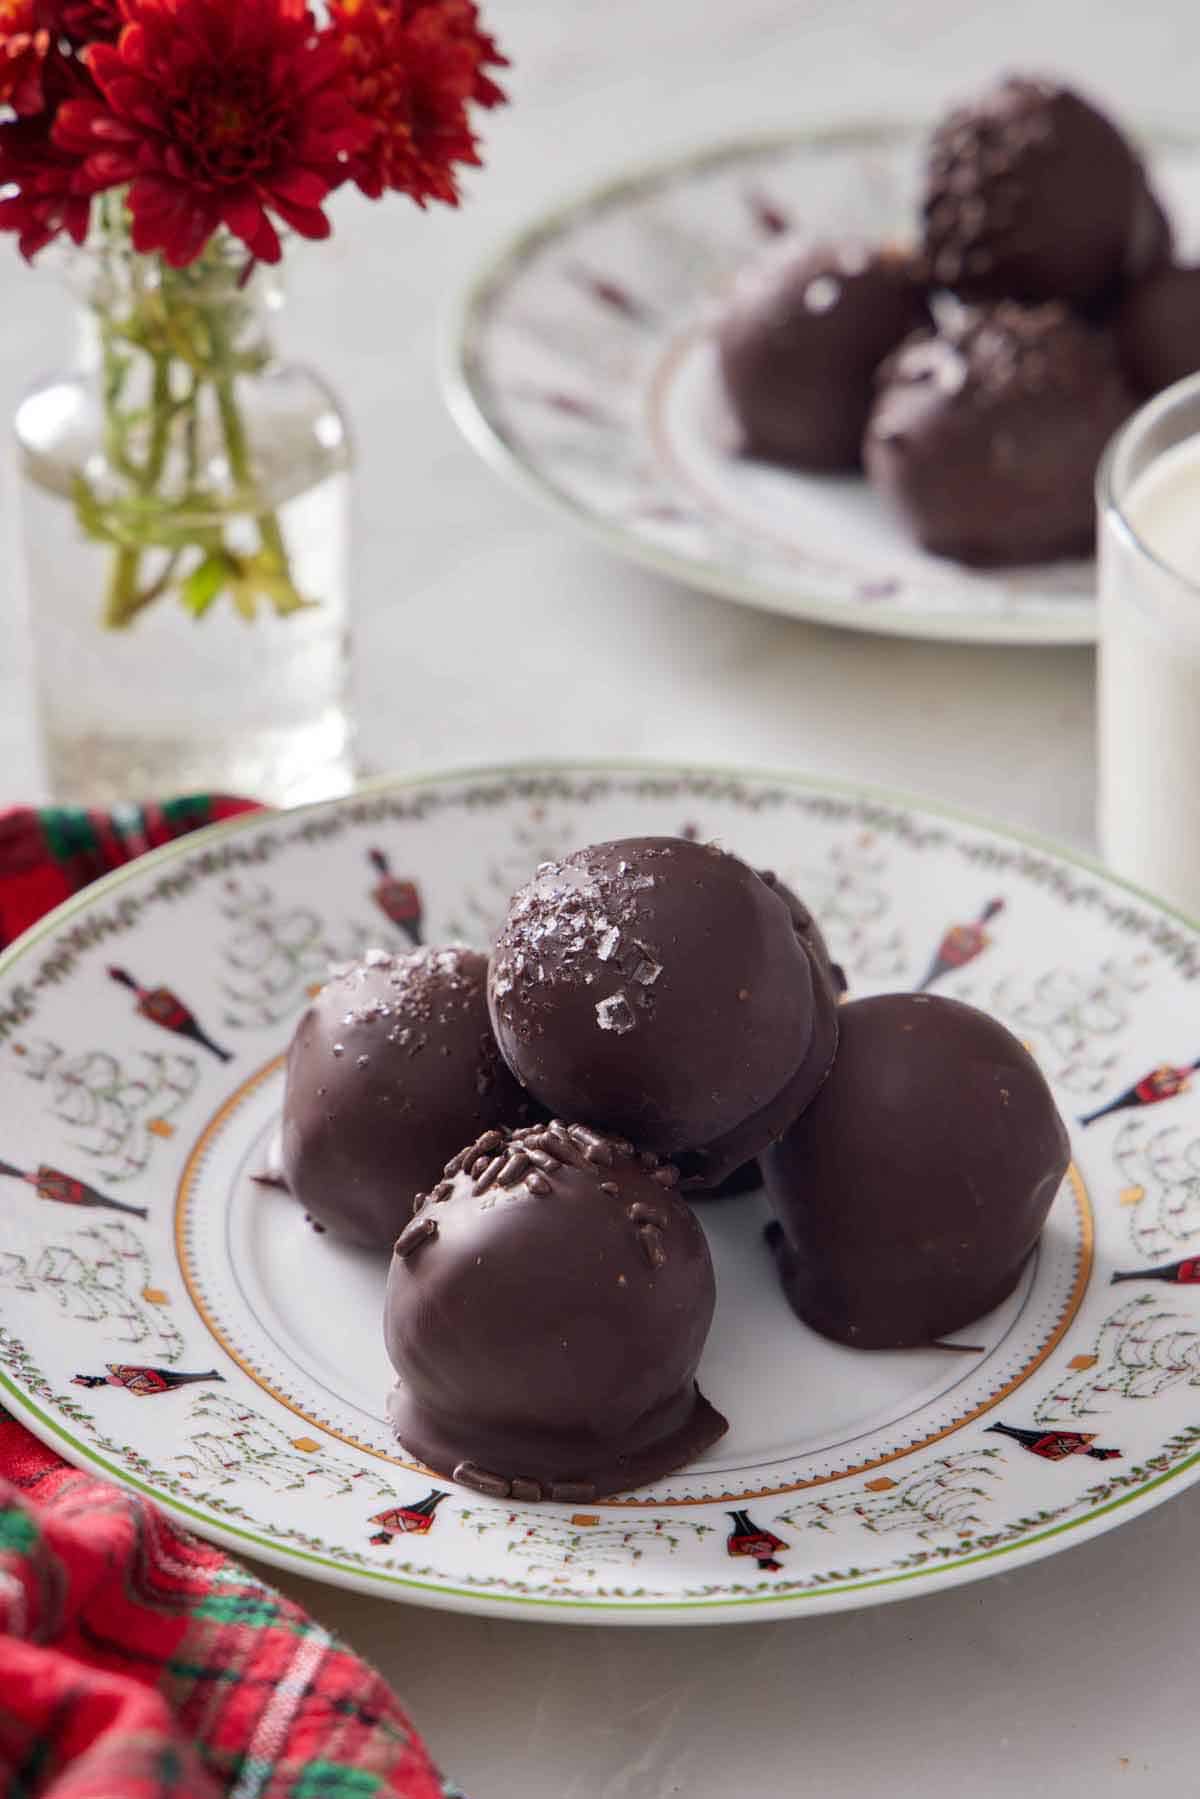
486, 631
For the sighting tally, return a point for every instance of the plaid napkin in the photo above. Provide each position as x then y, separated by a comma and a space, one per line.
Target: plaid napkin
135, 1661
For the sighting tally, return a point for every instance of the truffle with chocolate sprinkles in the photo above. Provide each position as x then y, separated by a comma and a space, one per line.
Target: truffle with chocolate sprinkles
986, 434
659, 988
391, 1066
546, 1311
1033, 194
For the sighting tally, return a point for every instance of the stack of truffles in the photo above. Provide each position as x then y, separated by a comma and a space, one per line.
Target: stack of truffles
527, 1136
978, 374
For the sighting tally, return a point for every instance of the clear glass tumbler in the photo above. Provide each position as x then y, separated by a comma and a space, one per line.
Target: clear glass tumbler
1148, 494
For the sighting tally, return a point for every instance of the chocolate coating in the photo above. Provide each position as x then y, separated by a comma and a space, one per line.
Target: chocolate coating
1158, 329
658, 988
546, 1311
911, 1192
809, 931
1032, 194
748, 1177
799, 343
391, 1069
986, 435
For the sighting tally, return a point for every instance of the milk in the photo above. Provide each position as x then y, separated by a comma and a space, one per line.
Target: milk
1149, 679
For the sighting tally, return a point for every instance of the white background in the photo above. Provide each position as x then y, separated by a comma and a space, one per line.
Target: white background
486, 631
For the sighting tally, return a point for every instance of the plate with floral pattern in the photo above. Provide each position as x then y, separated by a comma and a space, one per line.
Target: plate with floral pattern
167, 1320
582, 365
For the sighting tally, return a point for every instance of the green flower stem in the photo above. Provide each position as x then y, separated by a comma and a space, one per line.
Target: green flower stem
121, 602
270, 534
126, 597
169, 339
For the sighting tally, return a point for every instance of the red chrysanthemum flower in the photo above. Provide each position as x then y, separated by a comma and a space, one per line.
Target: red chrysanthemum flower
415, 66
45, 192
216, 112
82, 22
24, 47
47, 196
460, 20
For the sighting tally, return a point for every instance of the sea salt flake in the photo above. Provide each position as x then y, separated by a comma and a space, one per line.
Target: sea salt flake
615, 1014
607, 946
646, 973
822, 294
950, 374
377, 958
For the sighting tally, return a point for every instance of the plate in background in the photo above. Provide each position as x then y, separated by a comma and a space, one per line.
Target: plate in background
582, 366
167, 1322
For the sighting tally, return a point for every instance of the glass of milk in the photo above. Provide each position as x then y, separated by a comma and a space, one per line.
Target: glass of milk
1148, 492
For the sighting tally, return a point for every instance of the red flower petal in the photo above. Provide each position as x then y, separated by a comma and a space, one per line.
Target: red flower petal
308, 221
246, 219
169, 219
301, 187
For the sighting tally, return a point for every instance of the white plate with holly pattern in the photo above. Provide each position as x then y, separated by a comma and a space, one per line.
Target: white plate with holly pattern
169, 1322
581, 364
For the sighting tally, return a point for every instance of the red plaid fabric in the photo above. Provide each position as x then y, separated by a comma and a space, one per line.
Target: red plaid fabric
135, 1661
47, 854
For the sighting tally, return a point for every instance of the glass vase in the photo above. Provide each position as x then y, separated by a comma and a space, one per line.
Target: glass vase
184, 542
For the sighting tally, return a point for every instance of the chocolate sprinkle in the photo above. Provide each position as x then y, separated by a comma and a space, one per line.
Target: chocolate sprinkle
494, 1486
652, 1243
418, 1233
572, 1492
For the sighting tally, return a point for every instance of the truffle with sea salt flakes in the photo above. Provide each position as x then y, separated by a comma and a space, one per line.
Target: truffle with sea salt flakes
799, 342
986, 433
391, 1068
659, 988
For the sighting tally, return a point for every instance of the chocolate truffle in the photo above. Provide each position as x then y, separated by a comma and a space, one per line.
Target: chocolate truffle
546, 1311
748, 1177
911, 1192
986, 434
658, 988
1158, 329
800, 341
1032, 194
808, 930
391, 1068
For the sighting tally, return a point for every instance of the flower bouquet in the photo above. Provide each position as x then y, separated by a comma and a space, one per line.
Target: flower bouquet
181, 144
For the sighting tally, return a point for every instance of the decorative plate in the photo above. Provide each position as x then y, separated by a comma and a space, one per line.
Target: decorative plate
582, 365
175, 1325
